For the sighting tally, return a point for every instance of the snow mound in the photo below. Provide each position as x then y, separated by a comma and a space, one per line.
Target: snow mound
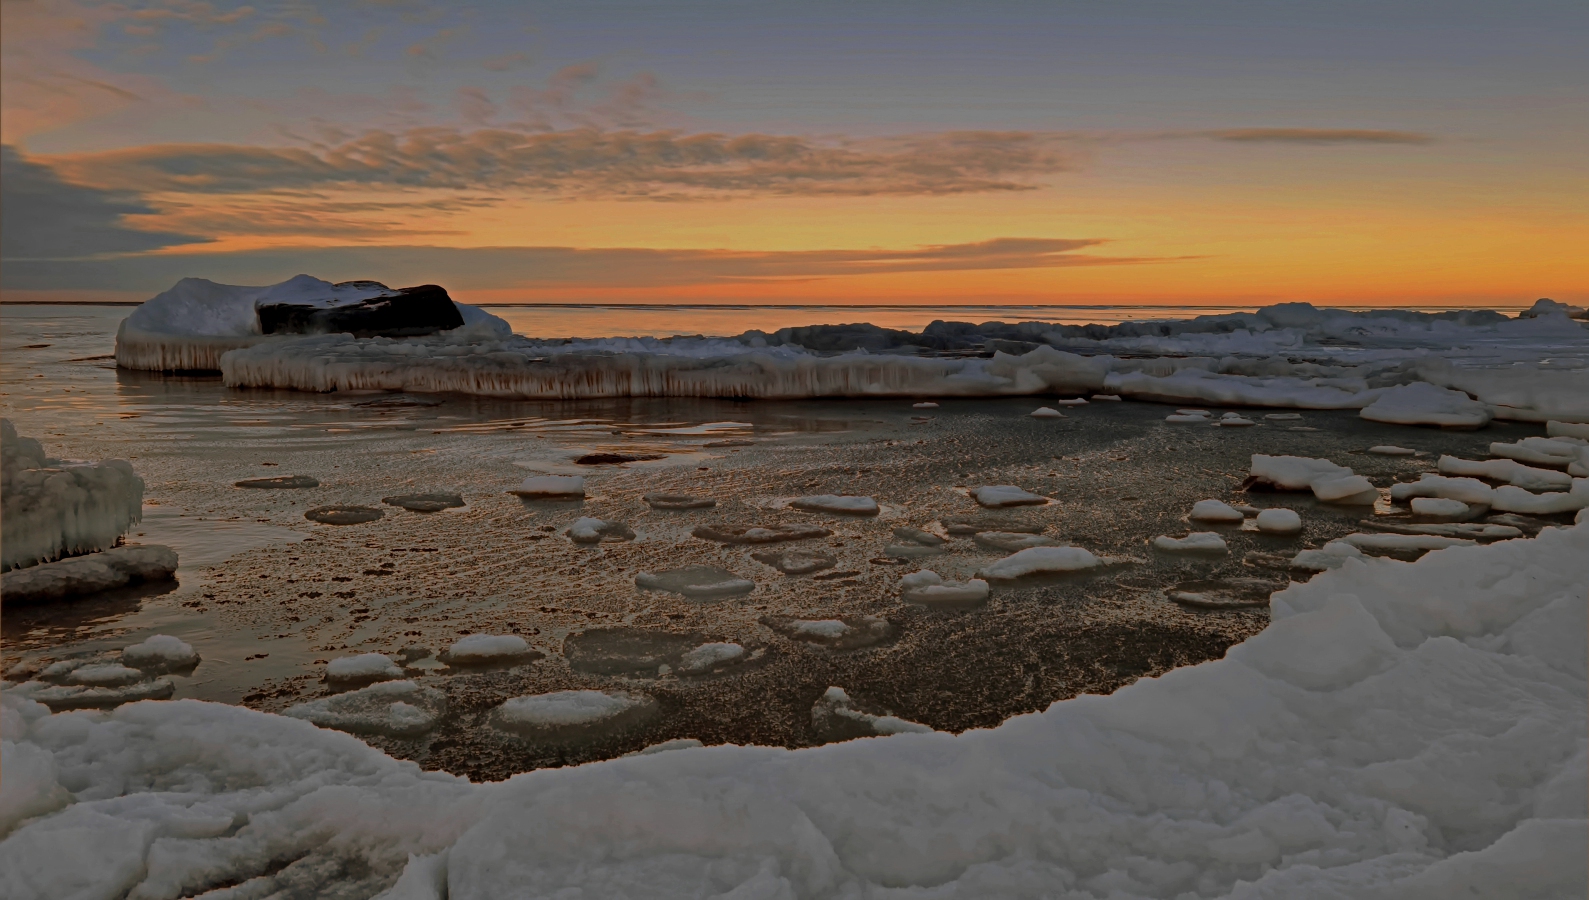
1421, 403
796, 562
364, 667
835, 718
1001, 496
104, 675
1042, 561
1196, 542
1216, 511
160, 653
483, 649
1332, 555
1279, 521
837, 503
928, 588
569, 715
1394, 542
551, 487
79, 576
1399, 730
1046, 412
49, 509
401, 709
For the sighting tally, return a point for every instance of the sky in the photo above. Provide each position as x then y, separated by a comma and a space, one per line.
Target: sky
1121, 152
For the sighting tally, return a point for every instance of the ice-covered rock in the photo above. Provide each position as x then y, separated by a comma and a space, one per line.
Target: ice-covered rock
928, 588
488, 649
835, 718
1440, 507
1011, 541
80, 576
1046, 412
401, 709
573, 715
1196, 542
551, 487
50, 509
1421, 403
587, 530
1507, 470
362, 668
696, 583
1279, 521
1001, 496
160, 653
837, 503
1216, 511
1042, 561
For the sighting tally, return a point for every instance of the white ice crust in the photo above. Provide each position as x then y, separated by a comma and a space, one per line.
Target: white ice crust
929, 587
551, 486
50, 509
1401, 730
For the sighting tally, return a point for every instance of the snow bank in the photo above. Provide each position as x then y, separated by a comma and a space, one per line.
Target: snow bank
80, 576
1421, 403
1400, 730
49, 509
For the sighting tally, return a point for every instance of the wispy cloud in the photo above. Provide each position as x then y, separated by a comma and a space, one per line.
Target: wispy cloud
1318, 136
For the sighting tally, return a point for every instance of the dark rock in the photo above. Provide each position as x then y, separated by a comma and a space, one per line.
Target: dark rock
403, 312
611, 459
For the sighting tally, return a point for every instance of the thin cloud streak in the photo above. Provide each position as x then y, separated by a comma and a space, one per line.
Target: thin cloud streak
1318, 136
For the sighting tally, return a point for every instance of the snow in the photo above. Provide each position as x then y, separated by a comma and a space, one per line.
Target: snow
570, 713
160, 653
1399, 730
1279, 521
1234, 420
1421, 403
1567, 429
1439, 506
1046, 412
106, 675
1108, 397
834, 717
50, 509
485, 648
1514, 499
704, 657
1193, 412
363, 667
1332, 555
1071, 401
927, 405
551, 487
999, 496
1329, 482
1391, 542
928, 587
1042, 561
918, 536
1215, 511
1009, 541
1467, 490
83, 575
836, 503
1539, 451
587, 530
1345, 489
401, 709
1507, 470
1196, 542
69, 697
678, 501
823, 628
1390, 450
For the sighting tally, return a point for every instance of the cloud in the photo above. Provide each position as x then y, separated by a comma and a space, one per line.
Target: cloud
1318, 136
508, 267
589, 163
43, 217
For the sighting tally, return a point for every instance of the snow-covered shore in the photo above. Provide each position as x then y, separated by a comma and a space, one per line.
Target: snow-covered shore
1401, 730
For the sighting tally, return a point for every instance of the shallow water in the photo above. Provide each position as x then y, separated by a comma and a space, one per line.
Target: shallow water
267, 596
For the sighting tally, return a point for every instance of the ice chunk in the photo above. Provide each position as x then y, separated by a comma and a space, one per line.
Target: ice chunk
1294, 473
1507, 470
1070, 401
666, 746
835, 718
1010, 541
927, 587
587, 530
1193, 412
160, 653
1579, 430
1181, 419
551, 487
1000, 496
1279, 521
796, 562
758, 534
1196, 542
365, 667
1110, 397
1390, 450
1215, 511
487, 649
707, 657
104, 675
425, 503
925, 405
696, 582
569, 715
1514, 499
679, 501
1234, 420
1468, 490
50, 509
823, 629
1421, 403
1346, 489
850, 633
837, 503
1042, 561
1283, 417
1046, 412
627, 651
68, 697
1331, 556
1439, 506
401, 709
79, 576
1539, 451
1393, 542
343, 515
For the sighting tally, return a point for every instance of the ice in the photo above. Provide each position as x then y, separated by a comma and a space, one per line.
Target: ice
709, 656
1279, 521
926, 405
1216, 511
1042, 561
849, 633
1390, 450
1182, 419
551, 487
50, 509
758, 534
587, 530
1009, 541
279, 482
1421, 403
479, 649
400, 709
364, 667
83, 575
343, 515
1467, 490
1332, 555
1348, 489
160, 653
678, 501
1108, 397
701, 583
1567, 429
1294, 473
1196, 542
69, 697
1539, 451
1000, 496
106, 675
928, 588
827, 629
918, 536
1514, 499
1193, 412
425, 503
796, 562
1507, 470
836, 503
1394, 542
835, 718
1439, 506
1283, 417
969, 525
1484, 531
567, 715
1234, 420
1046, 412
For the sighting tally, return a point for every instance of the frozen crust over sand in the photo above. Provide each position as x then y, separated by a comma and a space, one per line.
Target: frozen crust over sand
1400, 730
49, 509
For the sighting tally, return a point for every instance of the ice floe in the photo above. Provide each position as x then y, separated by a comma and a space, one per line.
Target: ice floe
160, 653
918, 536
487, 649
1216, 511
1390, 450
1278, 521
425, 503
1329, 482
401, 709
925, 405
343, 515
104, 675
849, 633
1441, 507
678, 501
796, 562
837, 503
1332, 555
50, 509
1539, 451
1001, 496
1421, 403
79, 576
1011, 541
1393, 542
709, 657
1467, 490
362, 668
1196, 542
1507, 470
1042, 561
551, 487
573, 715
758, 534
928, 587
